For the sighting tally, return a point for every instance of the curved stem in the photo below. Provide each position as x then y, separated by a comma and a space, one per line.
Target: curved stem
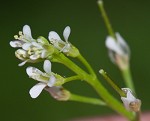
94, 82
71, 65
87, 65
74, 97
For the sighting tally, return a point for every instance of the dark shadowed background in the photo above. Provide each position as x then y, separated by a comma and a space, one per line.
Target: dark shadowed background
130, 18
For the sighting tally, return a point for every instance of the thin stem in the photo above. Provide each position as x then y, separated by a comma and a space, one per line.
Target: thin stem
94, 82
126, 73
68, 79
87, 65
84, 99
110, 81
110, 100
105, 17
71, 65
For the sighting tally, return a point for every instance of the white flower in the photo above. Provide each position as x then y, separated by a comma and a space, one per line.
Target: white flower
130, 102
25, 36
45, 79
119, 51
63, 46
30, 50
119, 45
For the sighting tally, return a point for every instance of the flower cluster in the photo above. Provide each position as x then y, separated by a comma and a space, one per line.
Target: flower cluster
30, 50
35, 50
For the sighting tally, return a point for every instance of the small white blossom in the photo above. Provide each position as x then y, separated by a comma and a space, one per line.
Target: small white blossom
30, 50
45, 79
119, 51
63, 46
130, 102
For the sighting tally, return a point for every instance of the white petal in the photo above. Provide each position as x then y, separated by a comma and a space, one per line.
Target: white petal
123, 44
27, 31
34, 57
26, 46
112, 56
130, 96
21, 52
31, 71
36, 44
16, 44
52, 81
66, 33
54, 91
120, 39
111, 44
47, 66
126, 102
36, 90
24, 62
53, 35
44, 54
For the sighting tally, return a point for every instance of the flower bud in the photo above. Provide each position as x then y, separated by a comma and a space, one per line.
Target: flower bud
58, 93
130, 102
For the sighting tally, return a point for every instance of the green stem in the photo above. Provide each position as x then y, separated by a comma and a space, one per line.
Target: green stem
106, 20
87, 65
94, 82
126, 73
110, 100
68, 79
84, 99
110, 81
61, 58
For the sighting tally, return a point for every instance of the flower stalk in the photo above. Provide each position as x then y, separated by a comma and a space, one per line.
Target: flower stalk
126, 73
87, 65
99, 88
83, 99
105, 17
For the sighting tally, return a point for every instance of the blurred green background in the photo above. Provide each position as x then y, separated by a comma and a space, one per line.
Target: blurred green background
130, 17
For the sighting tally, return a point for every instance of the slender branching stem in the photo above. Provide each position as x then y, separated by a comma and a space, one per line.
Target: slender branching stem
95, 83
87, 65
78, 98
